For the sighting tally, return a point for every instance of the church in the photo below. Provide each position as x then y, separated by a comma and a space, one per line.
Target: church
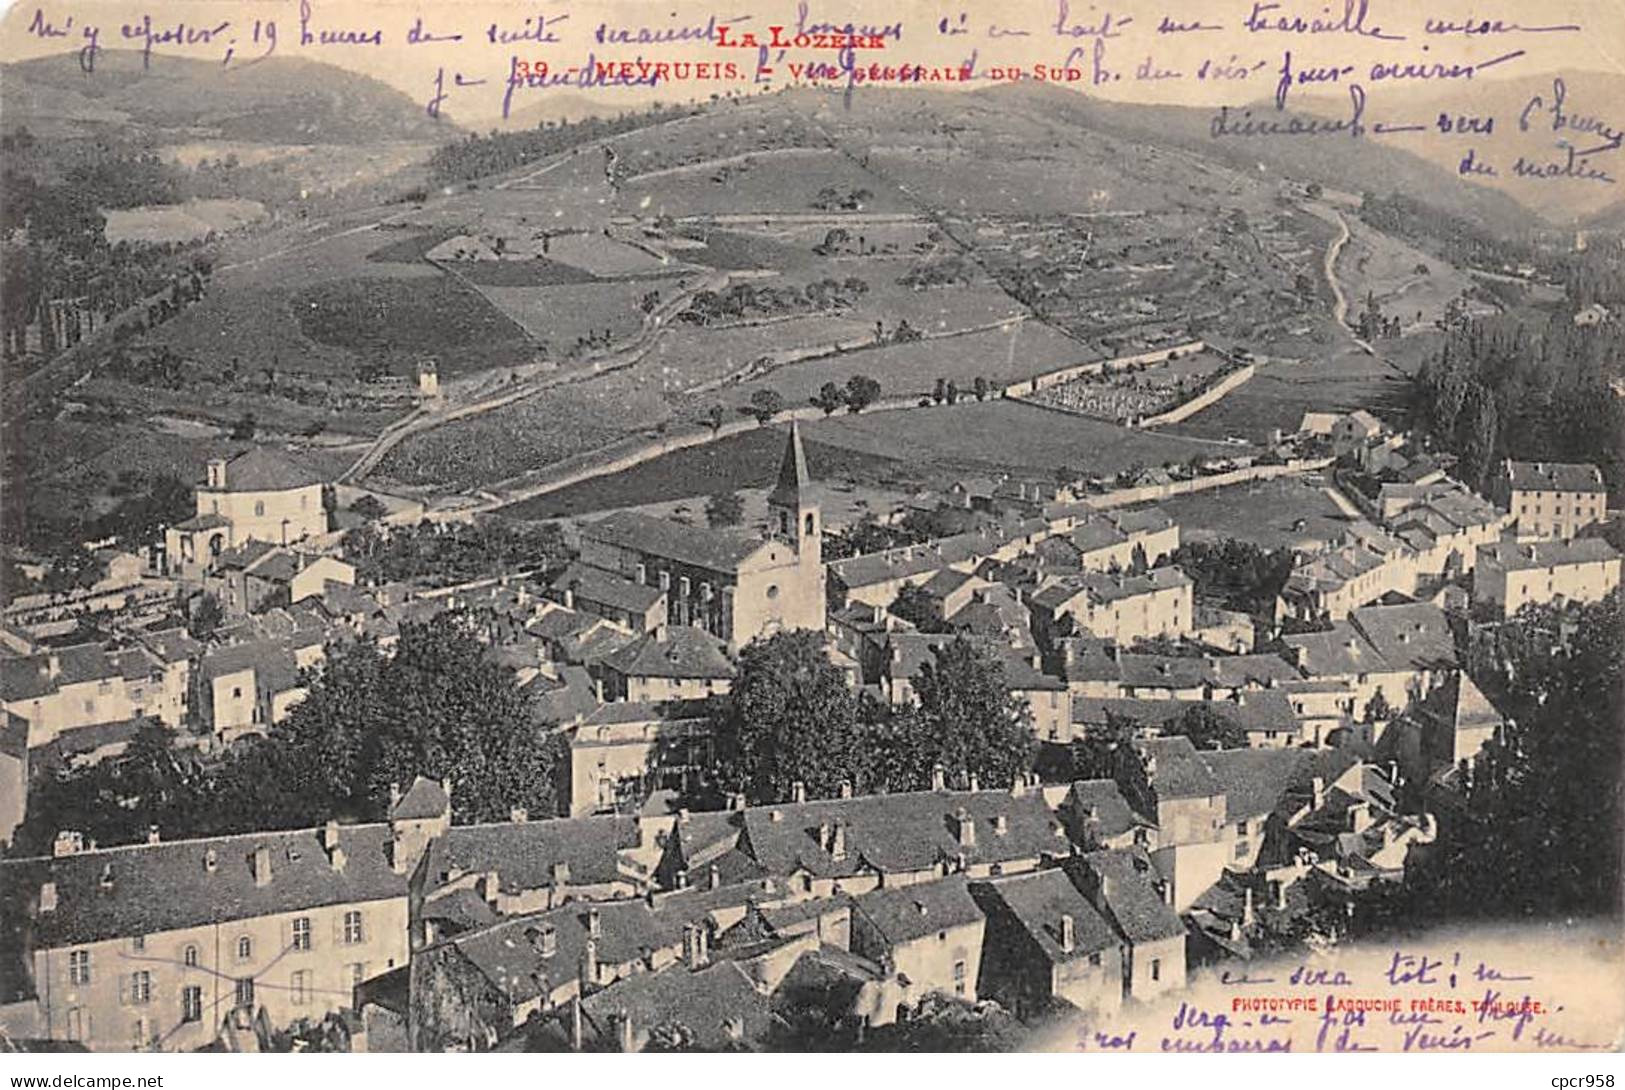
735, 584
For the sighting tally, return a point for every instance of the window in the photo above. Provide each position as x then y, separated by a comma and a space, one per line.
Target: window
140, 1035
76, 1023
245, 992
1094, 959
1241, 849
245, 948
237, 692
138, 944
301, 933
1156, 968
189, 957
959, 978
192, 1003
259, 508
358, 972
808, 532
79, 967
140, 986
773, 591
299, 987
682, 586
353, 931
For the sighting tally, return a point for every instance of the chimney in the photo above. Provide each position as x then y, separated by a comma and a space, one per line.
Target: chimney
47, 897
561, 875
1001, 825
1280, 894
696, 946
1247, 916
152, 834
1318, 792
518, 815
53, 667
775, 815
1359, 817
975, 782
846, 789
939, 778
837, 840
662, 633
211, 861
262, 866
107, 877
589, 963
964, 828
330, 835
1069, 939
570, 596
1150, 763
595, 924
714, 877
575, 1024
1166, 888
1235, 930
623, 1028
798, 791
549, 944
337, 859
394, 795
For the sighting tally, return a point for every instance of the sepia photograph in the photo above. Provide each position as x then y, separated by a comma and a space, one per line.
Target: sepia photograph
1044, 528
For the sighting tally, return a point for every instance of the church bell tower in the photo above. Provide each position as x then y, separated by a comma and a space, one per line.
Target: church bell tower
797, 519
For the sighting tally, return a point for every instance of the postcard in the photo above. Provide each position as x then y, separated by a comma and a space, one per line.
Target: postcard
610, 526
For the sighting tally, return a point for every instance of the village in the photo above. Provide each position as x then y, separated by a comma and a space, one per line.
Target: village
1270, 769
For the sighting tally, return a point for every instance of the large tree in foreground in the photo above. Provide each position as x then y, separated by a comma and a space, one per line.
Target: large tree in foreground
969, 722
790, 718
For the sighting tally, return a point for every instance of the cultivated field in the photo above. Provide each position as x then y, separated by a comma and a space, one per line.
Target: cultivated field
1266, 513
1004, 435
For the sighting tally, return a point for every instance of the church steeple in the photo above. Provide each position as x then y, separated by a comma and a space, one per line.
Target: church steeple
796, 514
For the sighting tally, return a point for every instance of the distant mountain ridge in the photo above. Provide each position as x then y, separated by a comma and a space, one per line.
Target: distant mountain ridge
280, 100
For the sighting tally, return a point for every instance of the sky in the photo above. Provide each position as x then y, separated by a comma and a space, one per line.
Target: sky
1204, 54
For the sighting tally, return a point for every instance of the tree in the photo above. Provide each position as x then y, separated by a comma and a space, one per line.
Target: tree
829, 398
244, 428
204, 616
981, 388
972, 722
939, 393
713, 418
440, 707
765, 404
369, 507
790, 718
1095, 755
1541, 833
861, 392
1207, 728
916, 607
725, 509
943, 1023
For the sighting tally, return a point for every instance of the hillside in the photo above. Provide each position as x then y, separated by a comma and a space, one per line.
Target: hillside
1357, 166
1586, 95
276, 101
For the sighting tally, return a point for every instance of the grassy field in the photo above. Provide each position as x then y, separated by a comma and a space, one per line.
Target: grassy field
1262, 512
1003, 435
1407, 283
787, 181
557, 315
1016, 350
744, 461
1280, 393
400, 321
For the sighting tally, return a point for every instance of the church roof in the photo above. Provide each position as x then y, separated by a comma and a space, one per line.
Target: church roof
262, 470
793, 476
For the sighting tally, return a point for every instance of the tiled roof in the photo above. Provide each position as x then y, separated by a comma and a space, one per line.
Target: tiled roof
1547, 554
1112, 813
31, 676
890, 833
1037, 901
925, 908
167, 887
1130, 896
523, 853
424, 799
1179, 773
263, 470
1254, 781
715, 550
703, 1001
675, 651
1555, 477
1414, 636
605, 588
